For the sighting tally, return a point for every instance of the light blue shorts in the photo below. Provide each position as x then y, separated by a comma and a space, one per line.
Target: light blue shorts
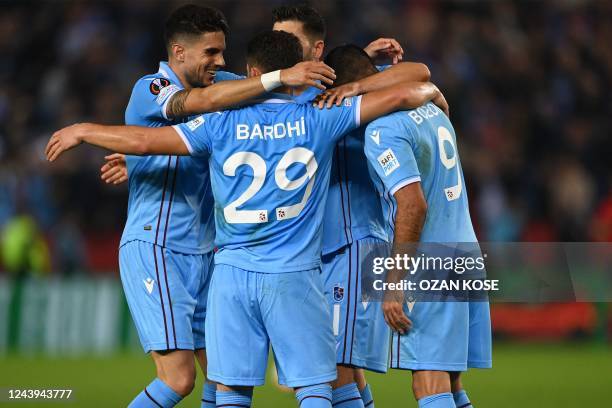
445, 336
166, 292
362, 335
250, 311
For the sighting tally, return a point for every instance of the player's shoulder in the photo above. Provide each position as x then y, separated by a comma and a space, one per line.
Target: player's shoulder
427, 114
154, 86
387, 130
210, 119
347, 104
308, 95
394, 120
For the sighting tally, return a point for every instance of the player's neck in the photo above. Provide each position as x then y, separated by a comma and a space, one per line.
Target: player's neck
173, 66
285, 90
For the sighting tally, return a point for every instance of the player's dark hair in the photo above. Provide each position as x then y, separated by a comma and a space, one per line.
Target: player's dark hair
314, 25
272, 50
194, 20
351, 63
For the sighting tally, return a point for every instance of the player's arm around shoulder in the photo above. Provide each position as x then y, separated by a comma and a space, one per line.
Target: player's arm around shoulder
337, 120
406, 95
226, 94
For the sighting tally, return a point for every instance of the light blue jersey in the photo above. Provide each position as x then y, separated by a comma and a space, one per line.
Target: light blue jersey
352, 228
420, 145
166, 249
170, 202
353, 210
270, 166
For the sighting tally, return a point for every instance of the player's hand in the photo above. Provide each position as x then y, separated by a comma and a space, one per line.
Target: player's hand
308, 73
385, 48
64, 139
393, 309
337, 95
440, 101
115, 169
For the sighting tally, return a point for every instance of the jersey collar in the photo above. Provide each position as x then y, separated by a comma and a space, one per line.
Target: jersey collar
273, 97
167, 72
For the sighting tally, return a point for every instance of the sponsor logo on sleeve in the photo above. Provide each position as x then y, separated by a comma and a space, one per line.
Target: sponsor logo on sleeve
164, 93
388, 161
157, 85
196, 123
348, 102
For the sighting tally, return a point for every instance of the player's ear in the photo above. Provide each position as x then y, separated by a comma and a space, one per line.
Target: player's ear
178, 52
317, 50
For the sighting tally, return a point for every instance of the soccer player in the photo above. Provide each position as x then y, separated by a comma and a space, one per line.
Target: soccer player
166, 248
414, 163
270, 166
353, 227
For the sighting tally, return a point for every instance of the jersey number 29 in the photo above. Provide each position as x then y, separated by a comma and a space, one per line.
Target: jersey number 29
257, 163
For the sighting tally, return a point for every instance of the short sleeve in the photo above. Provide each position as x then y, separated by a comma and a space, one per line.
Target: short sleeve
389, 149
308, 95
227, 76
198, 134
151, 96
339, 120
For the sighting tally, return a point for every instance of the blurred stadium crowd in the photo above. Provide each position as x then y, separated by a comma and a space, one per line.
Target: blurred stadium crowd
529, 86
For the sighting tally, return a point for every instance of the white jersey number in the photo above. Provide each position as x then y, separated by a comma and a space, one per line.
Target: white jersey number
253, 160
454, 192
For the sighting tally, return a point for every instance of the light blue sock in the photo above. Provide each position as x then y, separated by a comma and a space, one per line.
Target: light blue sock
366, 397
461, 399
443, 400
155, 395
237, 399
209, 395
315, 396
347, 396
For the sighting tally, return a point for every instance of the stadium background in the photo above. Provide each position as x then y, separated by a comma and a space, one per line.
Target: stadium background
529, 88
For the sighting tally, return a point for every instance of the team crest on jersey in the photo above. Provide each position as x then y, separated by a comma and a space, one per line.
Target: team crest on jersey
388, 161
158, 84
338, 293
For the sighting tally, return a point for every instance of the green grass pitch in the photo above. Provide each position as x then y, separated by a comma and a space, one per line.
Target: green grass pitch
524, 375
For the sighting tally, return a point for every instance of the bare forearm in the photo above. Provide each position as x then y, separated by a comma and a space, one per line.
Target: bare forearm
135, 140
226, 94
409, 216
415, 94
409, 222
213, 98
407, 95
402, 72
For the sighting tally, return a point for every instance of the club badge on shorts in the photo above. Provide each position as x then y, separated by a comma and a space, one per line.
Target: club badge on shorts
338, 293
